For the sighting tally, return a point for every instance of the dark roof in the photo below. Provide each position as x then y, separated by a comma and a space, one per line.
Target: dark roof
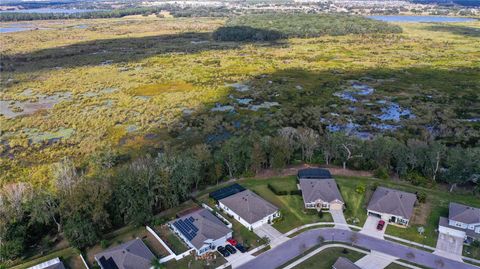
249, 206
464, 213
201, 226
325, 190
344, 263
227, 191
314, 173
393, 202
50, 264
131, 255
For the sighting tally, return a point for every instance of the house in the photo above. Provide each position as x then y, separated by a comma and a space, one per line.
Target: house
463, 221
344, 263
201, 230
55, 263
133, 254
319, 190
392, 205
249, 209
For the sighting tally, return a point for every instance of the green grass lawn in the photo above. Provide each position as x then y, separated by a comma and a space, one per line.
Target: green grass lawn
69, 256
471, 251
175, 243
355, 212
326, 258
291, 206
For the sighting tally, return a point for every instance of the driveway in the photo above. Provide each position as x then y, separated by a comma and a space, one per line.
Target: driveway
339, 218
370, 227
273, 234
375, 260
237, 259
294, 247
449, 246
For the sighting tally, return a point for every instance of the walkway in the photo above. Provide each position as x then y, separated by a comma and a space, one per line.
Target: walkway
339, 219
375, 260
273, 234
294, 247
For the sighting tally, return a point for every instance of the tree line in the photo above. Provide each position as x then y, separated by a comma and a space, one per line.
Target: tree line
88, 200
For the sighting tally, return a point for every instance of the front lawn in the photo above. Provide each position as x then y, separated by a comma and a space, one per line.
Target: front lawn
355, 201
190, 262
472, 251
291, 206
326, 258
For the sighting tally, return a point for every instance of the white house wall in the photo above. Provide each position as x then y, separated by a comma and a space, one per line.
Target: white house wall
387, 217
246, 223
452, 232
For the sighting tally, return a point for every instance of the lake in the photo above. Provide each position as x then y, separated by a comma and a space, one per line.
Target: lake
13, 29
51, 10
420, 19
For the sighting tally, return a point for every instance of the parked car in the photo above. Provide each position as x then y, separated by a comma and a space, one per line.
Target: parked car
241, 248
232, 242
380, 225
231, 249
223, 251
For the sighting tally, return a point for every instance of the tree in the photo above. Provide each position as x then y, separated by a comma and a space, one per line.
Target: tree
308, 140
345, 148
462, 165
84, 211
44, 208
201, 153
66, 176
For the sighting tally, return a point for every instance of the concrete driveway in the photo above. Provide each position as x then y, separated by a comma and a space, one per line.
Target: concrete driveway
237, 259
375, 260
370, 227
273, 234
339, 218
449, 246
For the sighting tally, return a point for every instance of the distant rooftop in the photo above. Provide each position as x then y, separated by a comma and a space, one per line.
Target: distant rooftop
314, 173
200, 226
394, 202
249, 206
131, 255
464, 213
51, 264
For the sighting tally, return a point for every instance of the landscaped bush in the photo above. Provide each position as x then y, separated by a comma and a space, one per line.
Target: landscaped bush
276, 191
360, 189
296, 192
381, 172
422, 197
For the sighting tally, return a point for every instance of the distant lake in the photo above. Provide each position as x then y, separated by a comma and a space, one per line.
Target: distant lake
13, 30
420, 19
51, 10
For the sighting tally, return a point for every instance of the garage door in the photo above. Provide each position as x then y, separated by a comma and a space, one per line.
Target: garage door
374, 214
336, 206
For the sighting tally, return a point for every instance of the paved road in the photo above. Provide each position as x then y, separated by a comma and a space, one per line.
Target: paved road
292, 248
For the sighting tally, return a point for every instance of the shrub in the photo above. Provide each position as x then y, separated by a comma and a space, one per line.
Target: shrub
417, 179
320, 214
360, 189
104, 244
374, 186
296, 192
381, 172
276, 191
422, 197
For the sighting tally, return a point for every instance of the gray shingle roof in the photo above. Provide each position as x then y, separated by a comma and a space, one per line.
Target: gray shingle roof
464, 213
394, 202
344, 263
50, 264
131, 255
249, 206
209, 227
320, 189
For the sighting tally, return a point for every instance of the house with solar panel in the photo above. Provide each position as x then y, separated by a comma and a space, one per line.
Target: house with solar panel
201, 230
132, 254
251, 210
319, 189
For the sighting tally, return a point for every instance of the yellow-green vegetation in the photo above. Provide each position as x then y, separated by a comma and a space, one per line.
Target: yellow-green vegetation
133, 80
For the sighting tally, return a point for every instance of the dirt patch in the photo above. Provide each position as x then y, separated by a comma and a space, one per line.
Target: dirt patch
155, 246
421, 213
292, 170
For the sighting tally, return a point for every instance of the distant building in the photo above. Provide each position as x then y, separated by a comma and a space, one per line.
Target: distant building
51, 264
463, 221
251, 210
133, 254
392, 205
201, 230
344, 263
319, 189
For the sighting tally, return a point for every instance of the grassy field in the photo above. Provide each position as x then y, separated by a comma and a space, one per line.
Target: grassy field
291, 206
140, 76
326, 258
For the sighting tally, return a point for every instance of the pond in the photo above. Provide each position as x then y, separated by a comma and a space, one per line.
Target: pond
13, 29
420, 18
